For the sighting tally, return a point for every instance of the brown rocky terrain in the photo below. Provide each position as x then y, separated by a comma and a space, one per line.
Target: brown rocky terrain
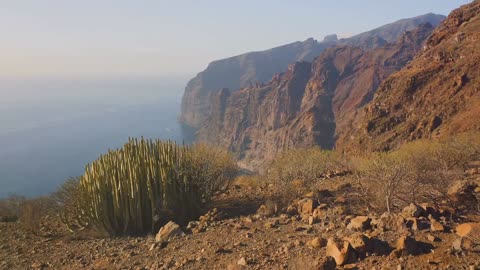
310, 104
325, 229
436, 95
248, 69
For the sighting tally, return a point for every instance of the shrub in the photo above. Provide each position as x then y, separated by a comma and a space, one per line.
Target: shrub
307, 166
132, 189
213, 167
10, 208
418, 171
380, 177
70, 200
33, 212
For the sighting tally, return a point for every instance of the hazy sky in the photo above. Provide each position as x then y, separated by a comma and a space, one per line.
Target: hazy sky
76, 38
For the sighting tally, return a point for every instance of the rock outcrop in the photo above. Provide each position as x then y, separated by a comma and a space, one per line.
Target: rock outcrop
436, 95
310, 104
248, 69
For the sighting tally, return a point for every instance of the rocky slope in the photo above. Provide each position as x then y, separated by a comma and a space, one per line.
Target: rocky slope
316, 232
247, 69
435, 95
310, 104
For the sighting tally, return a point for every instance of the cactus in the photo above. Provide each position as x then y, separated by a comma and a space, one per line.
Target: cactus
124, 189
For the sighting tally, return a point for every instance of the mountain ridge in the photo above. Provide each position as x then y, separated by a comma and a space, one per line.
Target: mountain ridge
308, 105
247, 69
436, 95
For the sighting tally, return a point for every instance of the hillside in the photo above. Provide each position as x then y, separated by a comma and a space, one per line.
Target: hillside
310, 104
248, 69
436, 95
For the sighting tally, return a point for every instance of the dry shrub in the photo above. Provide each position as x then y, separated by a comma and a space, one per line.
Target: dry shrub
249, 181
380, 177
303, 168
34, 211
417, 172
215, 166
10, 208
70, 199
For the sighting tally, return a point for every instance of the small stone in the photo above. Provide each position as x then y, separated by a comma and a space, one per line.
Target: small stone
171, 229
310, 220
242, 262
360, 223
432, 238
436, 226
317, 242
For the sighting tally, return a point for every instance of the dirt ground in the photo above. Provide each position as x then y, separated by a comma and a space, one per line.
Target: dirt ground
242, 239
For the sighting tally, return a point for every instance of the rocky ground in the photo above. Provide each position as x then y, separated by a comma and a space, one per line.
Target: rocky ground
246, 231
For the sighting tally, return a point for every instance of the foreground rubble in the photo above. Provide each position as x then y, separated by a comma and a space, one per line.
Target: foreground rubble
322, 230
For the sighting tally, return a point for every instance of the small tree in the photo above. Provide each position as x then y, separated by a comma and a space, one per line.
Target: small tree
381, 176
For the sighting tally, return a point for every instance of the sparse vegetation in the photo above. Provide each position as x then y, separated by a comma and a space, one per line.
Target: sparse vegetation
133, 189
10, 208
307, 166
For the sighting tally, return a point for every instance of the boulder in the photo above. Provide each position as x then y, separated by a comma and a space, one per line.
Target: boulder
359, 223
416, 224
463, 194
361, 243
413, 210
391, 222
407, 245
171, 229
327, 263
341, 251
470, 230
463, 244
431, 210
291, 210
306, 206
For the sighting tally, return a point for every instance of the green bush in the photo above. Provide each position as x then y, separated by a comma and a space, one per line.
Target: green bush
132, 189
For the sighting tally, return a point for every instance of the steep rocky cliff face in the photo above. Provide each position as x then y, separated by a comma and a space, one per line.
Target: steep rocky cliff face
256, 67
436, 95
309, 104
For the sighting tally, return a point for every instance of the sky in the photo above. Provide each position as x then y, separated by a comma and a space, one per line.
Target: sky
117, 38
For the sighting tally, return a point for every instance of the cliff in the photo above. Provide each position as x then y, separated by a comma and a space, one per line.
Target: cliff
257, 67
309, 104
437, 94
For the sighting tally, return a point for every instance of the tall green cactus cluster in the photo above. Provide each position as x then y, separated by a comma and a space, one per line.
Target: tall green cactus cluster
126, 189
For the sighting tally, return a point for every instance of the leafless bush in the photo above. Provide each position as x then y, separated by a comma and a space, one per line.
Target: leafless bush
68, 202
33, 212
380, 177
10, 208
215, 165
417, 172
303, 167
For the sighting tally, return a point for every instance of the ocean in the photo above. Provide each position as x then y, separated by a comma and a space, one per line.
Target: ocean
51, 129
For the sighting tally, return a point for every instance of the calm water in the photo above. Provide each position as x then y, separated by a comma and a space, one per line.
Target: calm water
49, 130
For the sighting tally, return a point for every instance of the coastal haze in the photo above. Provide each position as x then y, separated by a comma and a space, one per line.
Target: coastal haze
52, 128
